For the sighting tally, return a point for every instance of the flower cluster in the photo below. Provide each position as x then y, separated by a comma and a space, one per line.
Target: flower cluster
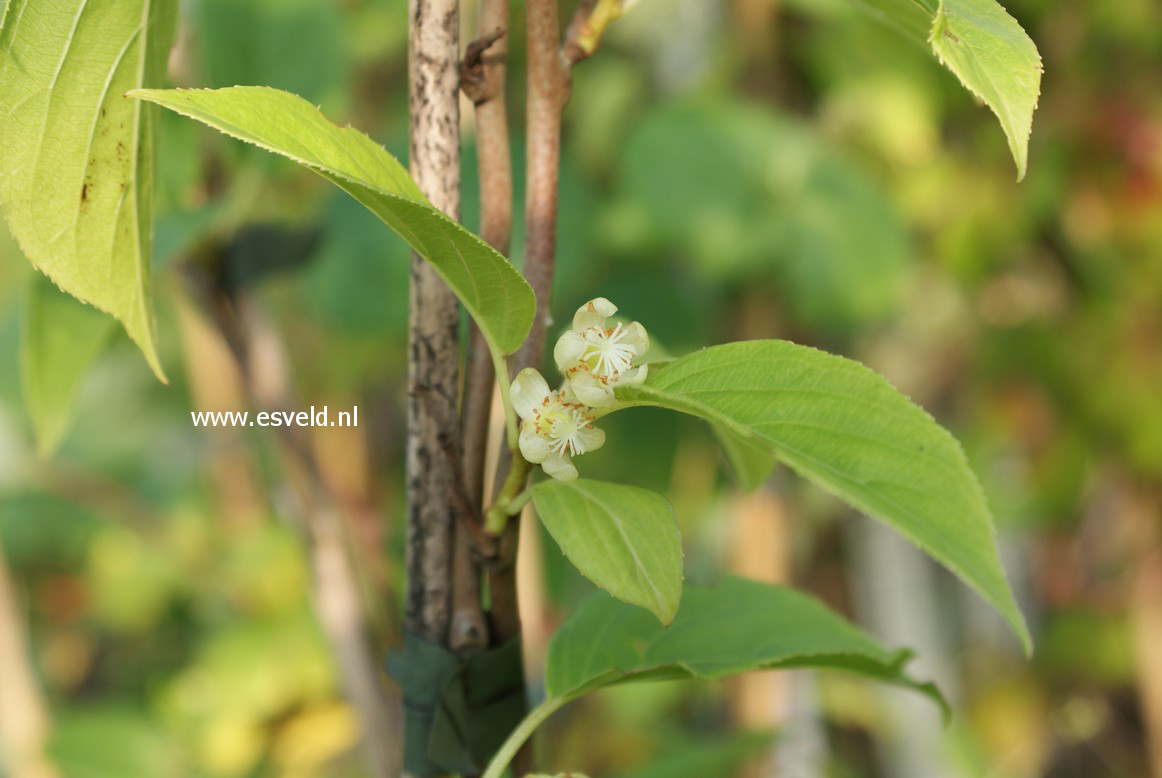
595, 360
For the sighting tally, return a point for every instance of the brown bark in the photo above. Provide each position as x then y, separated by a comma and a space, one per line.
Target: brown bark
548, 90
433, 356
483, 82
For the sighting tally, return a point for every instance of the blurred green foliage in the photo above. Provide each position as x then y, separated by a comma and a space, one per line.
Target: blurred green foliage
730, 171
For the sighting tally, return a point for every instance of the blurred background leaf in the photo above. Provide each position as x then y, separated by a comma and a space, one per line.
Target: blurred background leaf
879, 221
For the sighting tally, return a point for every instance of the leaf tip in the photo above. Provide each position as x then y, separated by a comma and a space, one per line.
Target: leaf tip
148, 348
1016, 621
666, 615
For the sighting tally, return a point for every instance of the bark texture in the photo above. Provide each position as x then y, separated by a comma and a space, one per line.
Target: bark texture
433, 356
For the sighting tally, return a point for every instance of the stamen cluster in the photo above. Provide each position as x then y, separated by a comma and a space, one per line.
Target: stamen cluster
595, 359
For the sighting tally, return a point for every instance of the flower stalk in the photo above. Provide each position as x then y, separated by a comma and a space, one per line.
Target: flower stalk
496, 519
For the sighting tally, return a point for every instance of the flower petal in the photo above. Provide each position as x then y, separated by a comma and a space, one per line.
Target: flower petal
589, 439
591, 391
533, 447
528, 391
567, 353
565, 394
560, 467
593, 314
633, 376
635, 335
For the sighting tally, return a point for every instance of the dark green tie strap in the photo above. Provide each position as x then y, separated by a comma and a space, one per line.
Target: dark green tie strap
457, 712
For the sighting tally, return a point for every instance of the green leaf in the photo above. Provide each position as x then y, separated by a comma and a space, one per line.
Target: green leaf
987, 50
705, 756
61, 338
766, 197
76, 158
996, 61
97, 740
489, 286
622, 538
735, 627
752, 460
911, 17
843, 426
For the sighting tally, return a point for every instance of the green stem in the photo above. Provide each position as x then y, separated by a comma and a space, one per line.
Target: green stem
517, 504
523, 732
603, 14
510, 423
497, 516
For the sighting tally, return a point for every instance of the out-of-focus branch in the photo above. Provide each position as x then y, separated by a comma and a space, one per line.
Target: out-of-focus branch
1145, 607
339, 604
1146, 617
24, 722
340, 609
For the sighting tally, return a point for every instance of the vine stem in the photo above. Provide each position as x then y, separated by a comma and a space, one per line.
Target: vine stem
523, 732
482, 77
549, 84
548, 90
482, 81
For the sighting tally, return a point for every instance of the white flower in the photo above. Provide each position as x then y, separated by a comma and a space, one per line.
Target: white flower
596, 359
554, 426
